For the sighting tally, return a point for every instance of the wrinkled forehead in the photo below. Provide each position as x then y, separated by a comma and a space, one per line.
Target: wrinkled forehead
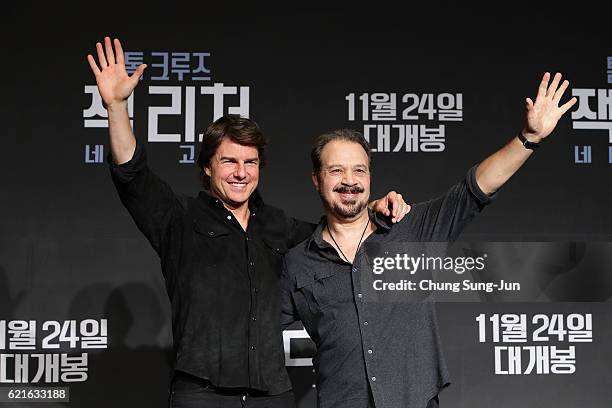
345, 154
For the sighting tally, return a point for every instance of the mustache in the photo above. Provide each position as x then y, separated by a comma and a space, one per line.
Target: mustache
347, 189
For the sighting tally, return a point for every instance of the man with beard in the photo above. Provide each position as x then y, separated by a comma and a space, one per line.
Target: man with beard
220, 252
375, 354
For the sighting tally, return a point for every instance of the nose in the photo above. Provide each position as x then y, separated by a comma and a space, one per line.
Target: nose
240, 170
349, 178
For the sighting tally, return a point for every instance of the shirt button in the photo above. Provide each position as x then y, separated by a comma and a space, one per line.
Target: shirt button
365, 323
229, 217
373, 378
370, 351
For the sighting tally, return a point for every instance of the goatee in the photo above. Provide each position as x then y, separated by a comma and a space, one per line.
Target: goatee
345, 209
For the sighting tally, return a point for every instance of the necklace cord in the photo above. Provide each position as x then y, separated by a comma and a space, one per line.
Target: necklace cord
358, 245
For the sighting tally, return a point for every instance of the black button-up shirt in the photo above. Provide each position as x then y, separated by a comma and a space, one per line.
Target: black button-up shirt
222, 281
383, 354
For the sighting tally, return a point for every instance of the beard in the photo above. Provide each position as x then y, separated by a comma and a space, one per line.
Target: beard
345, 208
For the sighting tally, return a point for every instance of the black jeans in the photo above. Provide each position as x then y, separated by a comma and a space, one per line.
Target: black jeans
187, 391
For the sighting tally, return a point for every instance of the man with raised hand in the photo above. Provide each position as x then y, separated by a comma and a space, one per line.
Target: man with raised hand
376, 354
220, 252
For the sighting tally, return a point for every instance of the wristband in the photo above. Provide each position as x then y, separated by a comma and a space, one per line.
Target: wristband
526, 143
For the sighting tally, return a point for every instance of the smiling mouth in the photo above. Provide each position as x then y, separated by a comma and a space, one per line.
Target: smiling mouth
348, 198
238, 184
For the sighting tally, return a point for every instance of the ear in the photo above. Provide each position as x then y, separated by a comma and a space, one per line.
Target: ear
315, 181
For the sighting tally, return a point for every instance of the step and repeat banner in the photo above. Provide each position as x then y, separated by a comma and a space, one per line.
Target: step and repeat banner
523, 299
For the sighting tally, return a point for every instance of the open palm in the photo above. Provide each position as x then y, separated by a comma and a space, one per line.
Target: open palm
114, 83
545, 112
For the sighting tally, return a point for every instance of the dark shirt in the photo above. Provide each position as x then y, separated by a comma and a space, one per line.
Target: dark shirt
222, 281
374, 353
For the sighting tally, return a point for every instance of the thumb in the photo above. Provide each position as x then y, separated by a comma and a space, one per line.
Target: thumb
138, 73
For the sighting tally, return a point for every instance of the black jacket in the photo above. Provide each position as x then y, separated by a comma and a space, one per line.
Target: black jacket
222, 281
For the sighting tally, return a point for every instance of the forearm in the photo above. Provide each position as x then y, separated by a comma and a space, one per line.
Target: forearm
122, 139
496, 169
150, 201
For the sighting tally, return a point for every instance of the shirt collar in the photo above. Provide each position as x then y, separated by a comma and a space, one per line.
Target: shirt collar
255, 200
316, 239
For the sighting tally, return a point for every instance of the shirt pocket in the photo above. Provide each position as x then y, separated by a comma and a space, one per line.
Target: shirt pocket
319, 289
211, 244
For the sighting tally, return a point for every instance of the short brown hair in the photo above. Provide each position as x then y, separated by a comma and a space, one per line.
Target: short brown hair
348, 135
240, 130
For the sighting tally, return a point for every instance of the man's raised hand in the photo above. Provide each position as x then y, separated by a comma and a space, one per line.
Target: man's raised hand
114, 83
545, 112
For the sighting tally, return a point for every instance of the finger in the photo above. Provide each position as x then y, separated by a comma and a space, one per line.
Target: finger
553, 86
119, 51
400, 212
380, 206
387, 203
398, 205
543, 86
138, 73
93, 65
561, 90
567, 105
407, 210
110, 55
101, 57
395, 204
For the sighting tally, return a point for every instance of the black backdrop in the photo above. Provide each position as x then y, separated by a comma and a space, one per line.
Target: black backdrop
68, 250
